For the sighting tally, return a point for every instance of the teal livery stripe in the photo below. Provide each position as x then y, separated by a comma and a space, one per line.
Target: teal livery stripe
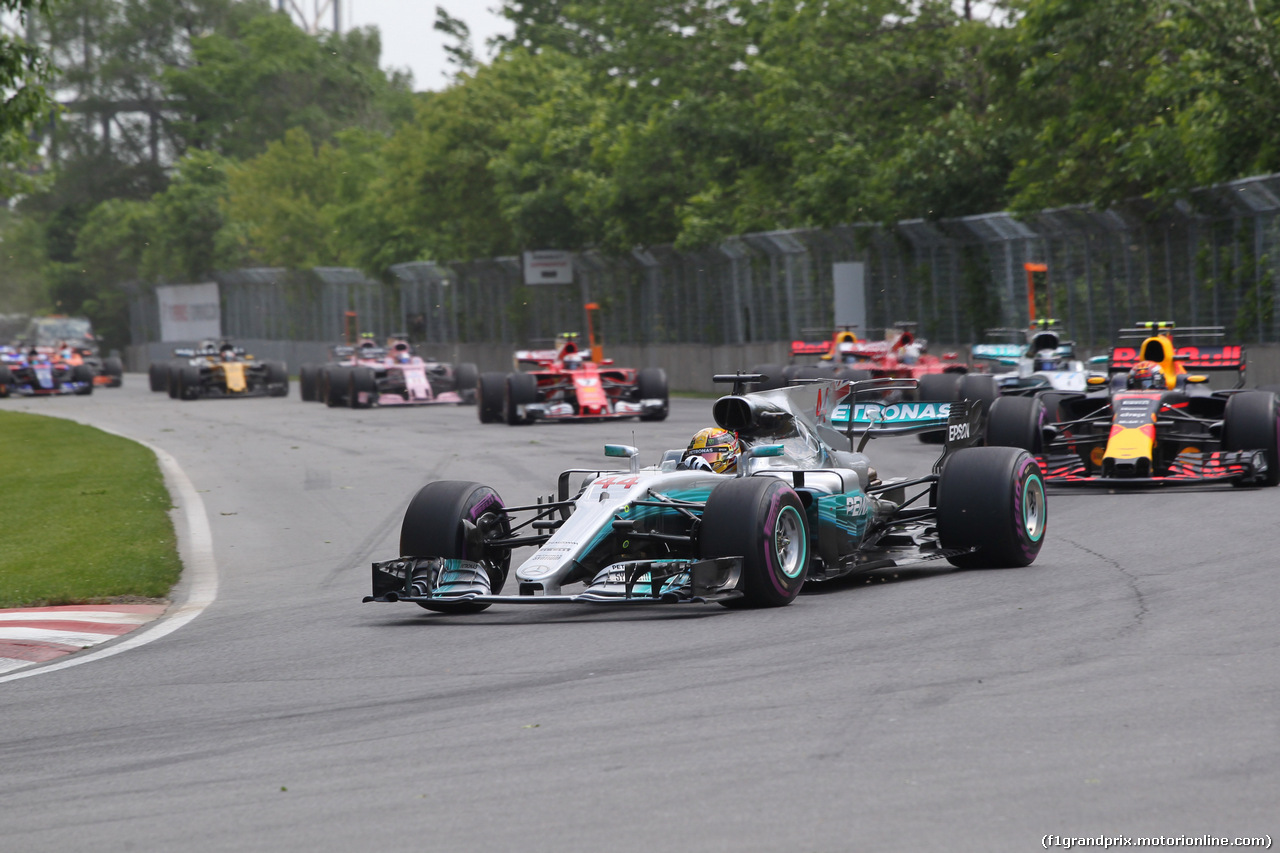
894, 413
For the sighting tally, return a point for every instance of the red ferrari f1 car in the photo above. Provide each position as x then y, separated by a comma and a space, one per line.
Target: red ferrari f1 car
566, 384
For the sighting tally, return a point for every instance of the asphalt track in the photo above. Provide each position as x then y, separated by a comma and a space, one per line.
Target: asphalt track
1125, 684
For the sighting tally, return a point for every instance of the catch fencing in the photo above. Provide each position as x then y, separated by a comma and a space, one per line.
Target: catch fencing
1207, 260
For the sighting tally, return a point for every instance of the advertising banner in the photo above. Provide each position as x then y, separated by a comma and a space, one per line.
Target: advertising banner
189, 312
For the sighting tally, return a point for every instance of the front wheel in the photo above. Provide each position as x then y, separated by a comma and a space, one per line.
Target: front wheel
761, 520
333, 385
158, 376
521, 389
465, 377
362, 387
1249, 423
307, 382
490, 391
1016, 421
441, 521
113, 369
651, 384
992, 499
277, 378
934, 388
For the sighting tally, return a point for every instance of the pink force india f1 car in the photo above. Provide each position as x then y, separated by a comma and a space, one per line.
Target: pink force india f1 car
796, 508
369, 375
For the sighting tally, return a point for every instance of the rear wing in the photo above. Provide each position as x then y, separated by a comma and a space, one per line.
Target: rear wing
1192, 357
539, 357
1000, 353
819, 348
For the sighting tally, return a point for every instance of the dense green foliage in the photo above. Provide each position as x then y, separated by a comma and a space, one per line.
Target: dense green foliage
85, 516
616, 123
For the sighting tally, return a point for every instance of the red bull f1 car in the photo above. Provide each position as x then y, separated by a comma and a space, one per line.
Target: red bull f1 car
566, 384
1168, 429
797, 508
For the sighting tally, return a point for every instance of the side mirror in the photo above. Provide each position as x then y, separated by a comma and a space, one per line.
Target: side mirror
1095, 379
624, 451
1196, 378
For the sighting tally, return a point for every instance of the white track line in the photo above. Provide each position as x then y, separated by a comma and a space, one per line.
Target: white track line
198, 569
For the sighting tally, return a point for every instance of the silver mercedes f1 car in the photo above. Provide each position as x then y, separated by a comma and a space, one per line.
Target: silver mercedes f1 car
804, 506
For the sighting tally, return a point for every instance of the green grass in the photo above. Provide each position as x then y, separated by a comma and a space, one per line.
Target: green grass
83, 514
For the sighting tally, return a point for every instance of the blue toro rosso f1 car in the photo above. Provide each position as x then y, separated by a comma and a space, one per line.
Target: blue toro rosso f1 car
804, 505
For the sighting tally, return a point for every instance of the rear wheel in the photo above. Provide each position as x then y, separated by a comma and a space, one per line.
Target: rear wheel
362, 387
490, 393
6, 380
521, 389
441, 522
992, 499
1017, 422
651, 384
1250, 423
761, 520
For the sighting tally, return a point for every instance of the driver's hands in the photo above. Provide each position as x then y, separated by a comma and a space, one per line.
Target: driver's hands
697, 463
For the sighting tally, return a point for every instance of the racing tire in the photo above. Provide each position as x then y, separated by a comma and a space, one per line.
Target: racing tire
83, 373
307, 382
174, 385
465, 377
980, 387
188, 382
113, 368
490, 397
651, 384
789, 374
362, 380
992, 499
6, 381
158, 376
1017, 422
277, 379
521, 389
854, 374
761, 520
1250, 423
772, 377
335, 381
937, 387
433, 527
813, 372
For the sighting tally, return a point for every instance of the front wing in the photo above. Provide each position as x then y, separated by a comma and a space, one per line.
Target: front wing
1188, 469
437, 580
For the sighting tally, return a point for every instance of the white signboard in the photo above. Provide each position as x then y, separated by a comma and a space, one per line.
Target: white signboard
548, 267
189, 312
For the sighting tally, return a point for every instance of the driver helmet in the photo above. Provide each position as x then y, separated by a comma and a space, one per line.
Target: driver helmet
715, 448
1046, 360
403, 352
573, 362
1146, 375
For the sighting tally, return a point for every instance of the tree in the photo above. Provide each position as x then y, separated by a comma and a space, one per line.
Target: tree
245, 87
287, 202
24, 69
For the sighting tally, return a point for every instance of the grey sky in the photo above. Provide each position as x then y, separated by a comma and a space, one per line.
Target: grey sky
408, 41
